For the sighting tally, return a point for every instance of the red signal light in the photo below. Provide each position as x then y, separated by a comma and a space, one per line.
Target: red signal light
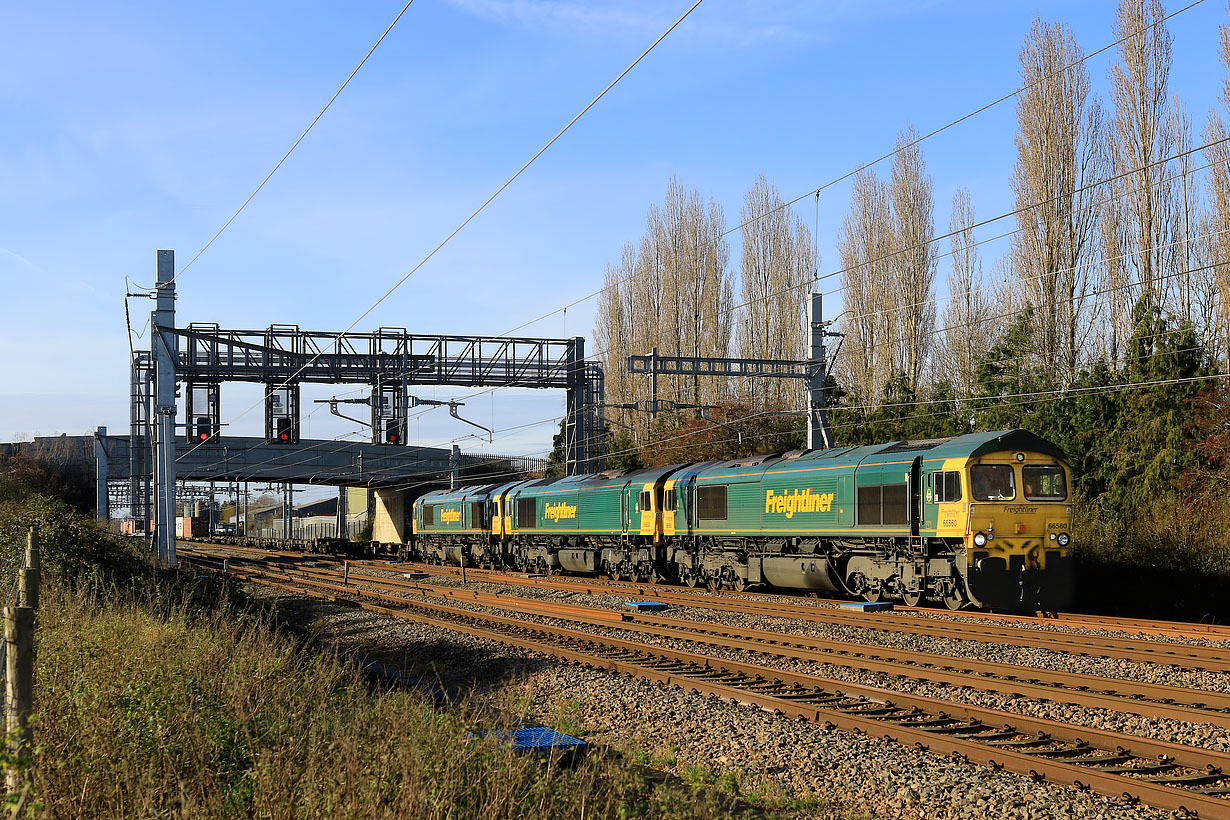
203, 435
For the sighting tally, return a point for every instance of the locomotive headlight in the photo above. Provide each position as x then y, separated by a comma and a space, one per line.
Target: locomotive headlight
980, 540
1063, 539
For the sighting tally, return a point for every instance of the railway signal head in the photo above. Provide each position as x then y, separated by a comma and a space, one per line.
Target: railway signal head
393, 432
284, 431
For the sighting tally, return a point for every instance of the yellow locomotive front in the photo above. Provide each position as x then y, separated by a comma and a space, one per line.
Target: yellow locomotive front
1018, 531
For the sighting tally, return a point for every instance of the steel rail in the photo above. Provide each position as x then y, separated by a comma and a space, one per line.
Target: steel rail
1125, 696
1185, 656
1131, 626
1188, 656
1086, 758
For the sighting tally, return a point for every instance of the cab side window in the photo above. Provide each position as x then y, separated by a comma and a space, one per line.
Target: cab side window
671, 502
645, 500
947, 486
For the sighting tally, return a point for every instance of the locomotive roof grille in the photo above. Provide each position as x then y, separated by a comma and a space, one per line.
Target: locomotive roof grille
917, 444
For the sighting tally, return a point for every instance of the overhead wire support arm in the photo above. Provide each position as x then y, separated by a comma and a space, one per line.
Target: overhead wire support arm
334, 402
452, 405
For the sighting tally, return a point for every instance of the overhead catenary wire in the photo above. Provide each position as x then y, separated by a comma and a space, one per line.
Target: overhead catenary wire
484, 204
817, 192
292, 148
820, 189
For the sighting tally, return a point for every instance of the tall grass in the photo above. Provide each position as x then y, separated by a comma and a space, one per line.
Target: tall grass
201, 714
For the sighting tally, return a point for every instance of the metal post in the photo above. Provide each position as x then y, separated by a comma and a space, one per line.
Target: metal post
454, 465
102, 472
345, 573
286, 503
653, 384
226, 565
463, 565
343, 513
29, 574
818, 432
19, 700
165, 352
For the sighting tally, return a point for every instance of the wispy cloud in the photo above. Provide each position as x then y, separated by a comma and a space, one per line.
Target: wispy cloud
17, 261
731, 22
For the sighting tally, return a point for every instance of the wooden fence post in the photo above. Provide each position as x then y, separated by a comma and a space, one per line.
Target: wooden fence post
30, 573
19, 699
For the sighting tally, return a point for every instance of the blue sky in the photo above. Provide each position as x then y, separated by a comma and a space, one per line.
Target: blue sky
130, 127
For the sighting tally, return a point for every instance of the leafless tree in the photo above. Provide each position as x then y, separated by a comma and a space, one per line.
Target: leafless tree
775, 264
1216, 286
673, 292
864, 244
1059, 154
912, 263
1144, 138
965, 335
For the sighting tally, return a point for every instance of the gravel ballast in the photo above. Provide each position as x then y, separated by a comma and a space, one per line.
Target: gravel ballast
842, 774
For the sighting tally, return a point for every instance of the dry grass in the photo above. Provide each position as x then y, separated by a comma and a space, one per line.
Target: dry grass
197, 714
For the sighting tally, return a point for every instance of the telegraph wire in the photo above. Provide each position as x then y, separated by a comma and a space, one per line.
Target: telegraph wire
992, 104
484, 205
286, 156
817, 191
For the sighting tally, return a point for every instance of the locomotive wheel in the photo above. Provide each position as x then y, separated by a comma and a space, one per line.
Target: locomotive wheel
912, 598
692, 581
739, 585
713, 583
872, 596
954, 600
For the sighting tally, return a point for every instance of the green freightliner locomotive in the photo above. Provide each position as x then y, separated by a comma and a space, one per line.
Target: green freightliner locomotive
981, 520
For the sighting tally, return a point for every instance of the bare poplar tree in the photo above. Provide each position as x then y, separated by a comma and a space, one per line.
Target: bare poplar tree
1217, 283
613, 332
776, 263
966, 332
673, 292
695, 286
863, 243
1185, 256
912, 263
1059, 152
1143, 139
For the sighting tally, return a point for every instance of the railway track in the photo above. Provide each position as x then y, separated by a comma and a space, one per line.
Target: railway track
1164, 775
1141, 650
1130, 626
1125, 696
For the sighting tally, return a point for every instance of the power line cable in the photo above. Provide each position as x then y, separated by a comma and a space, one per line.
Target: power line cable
484, 205
817, 191
291, 150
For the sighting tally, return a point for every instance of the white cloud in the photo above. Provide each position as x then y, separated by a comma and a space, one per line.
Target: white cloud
731, 22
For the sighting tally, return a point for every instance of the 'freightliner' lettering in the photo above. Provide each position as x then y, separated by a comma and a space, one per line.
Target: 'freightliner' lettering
802, 501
